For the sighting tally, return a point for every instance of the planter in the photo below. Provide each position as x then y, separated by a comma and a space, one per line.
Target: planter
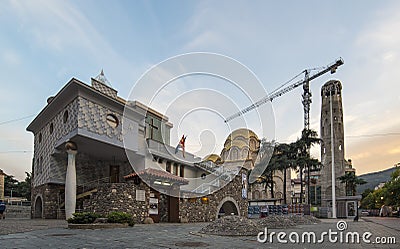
97, 226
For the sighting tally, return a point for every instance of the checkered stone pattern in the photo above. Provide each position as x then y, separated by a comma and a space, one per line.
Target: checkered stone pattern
43, 164
93, 117
104, 89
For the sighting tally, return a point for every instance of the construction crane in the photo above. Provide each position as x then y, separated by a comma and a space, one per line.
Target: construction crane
306, 91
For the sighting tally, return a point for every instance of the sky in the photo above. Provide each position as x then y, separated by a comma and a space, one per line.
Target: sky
43, 44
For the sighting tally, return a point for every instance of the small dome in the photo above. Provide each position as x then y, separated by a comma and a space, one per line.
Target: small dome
213, 158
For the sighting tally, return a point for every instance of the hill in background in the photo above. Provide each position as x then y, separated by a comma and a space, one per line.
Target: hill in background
373, 179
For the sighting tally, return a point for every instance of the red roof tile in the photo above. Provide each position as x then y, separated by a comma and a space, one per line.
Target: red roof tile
158, 173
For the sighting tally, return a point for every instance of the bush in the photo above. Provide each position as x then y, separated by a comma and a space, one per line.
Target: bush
120, 217
83, 218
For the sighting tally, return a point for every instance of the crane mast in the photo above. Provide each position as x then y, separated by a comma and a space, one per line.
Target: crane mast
306, 92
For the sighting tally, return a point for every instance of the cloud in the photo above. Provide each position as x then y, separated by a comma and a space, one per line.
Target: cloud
11, 57
60, 26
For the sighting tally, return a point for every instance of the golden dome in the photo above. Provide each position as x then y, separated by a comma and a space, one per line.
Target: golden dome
241, 134
237, 143
213, 158
241, 144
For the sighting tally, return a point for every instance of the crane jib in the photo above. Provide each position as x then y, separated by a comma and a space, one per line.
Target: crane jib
331, 67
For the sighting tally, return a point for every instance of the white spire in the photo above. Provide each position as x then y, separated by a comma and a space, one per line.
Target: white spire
101, 78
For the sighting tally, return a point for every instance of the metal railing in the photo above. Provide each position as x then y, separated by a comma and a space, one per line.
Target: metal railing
222, 179
87, 186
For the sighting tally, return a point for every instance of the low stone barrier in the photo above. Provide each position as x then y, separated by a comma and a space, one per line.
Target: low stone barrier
20, 212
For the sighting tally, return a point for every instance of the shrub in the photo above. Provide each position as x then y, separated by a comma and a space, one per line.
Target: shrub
120, 217
83, 218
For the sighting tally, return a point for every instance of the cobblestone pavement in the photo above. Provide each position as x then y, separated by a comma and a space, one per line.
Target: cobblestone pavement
9, 226
390, 222
56, 235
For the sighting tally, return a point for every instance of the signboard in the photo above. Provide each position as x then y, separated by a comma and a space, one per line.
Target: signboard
140, 195
244, 186
153, 206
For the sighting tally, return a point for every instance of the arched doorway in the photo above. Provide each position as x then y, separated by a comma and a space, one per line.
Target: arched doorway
228, 206
38, 208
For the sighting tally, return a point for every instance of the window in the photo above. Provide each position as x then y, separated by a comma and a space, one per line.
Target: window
51, 128
112, 120
65, 117
40, 137
168, 167
182, 171
37, 166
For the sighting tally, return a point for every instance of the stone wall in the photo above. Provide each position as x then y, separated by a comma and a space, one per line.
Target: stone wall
20, 212
119, 197
49, 194
193, 210
46, 138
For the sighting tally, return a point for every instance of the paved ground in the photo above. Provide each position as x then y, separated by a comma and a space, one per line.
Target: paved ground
393, 223
54, 234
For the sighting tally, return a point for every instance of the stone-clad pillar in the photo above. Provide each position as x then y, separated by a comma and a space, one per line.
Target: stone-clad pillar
70, 180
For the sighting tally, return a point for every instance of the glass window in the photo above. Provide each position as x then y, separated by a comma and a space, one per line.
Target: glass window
51, 128
112, 120
65, 117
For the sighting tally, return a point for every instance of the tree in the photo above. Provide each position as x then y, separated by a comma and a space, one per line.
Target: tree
18, 189
10, 185
24, 187
351, 181
270, 164
304, 161
388, 195
284, 156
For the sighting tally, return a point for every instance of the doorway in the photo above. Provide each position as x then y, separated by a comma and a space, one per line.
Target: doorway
351, 208
173, 209
38, 208
114, 173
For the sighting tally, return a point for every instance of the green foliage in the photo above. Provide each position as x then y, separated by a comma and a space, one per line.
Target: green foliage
19, 189
351, 181
83, 218
388, 195
120, 217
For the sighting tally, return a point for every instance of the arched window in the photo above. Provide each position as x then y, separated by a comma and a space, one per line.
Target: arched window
245, 153
235, 154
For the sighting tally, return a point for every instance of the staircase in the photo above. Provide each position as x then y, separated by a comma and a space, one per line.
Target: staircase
223, 178
86, 189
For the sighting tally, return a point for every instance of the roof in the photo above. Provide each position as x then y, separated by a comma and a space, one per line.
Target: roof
156, 173
237, 143
242, 132
213, 158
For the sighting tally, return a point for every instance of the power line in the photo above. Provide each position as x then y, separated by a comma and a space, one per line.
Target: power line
375, 135
17, 119
16, 151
